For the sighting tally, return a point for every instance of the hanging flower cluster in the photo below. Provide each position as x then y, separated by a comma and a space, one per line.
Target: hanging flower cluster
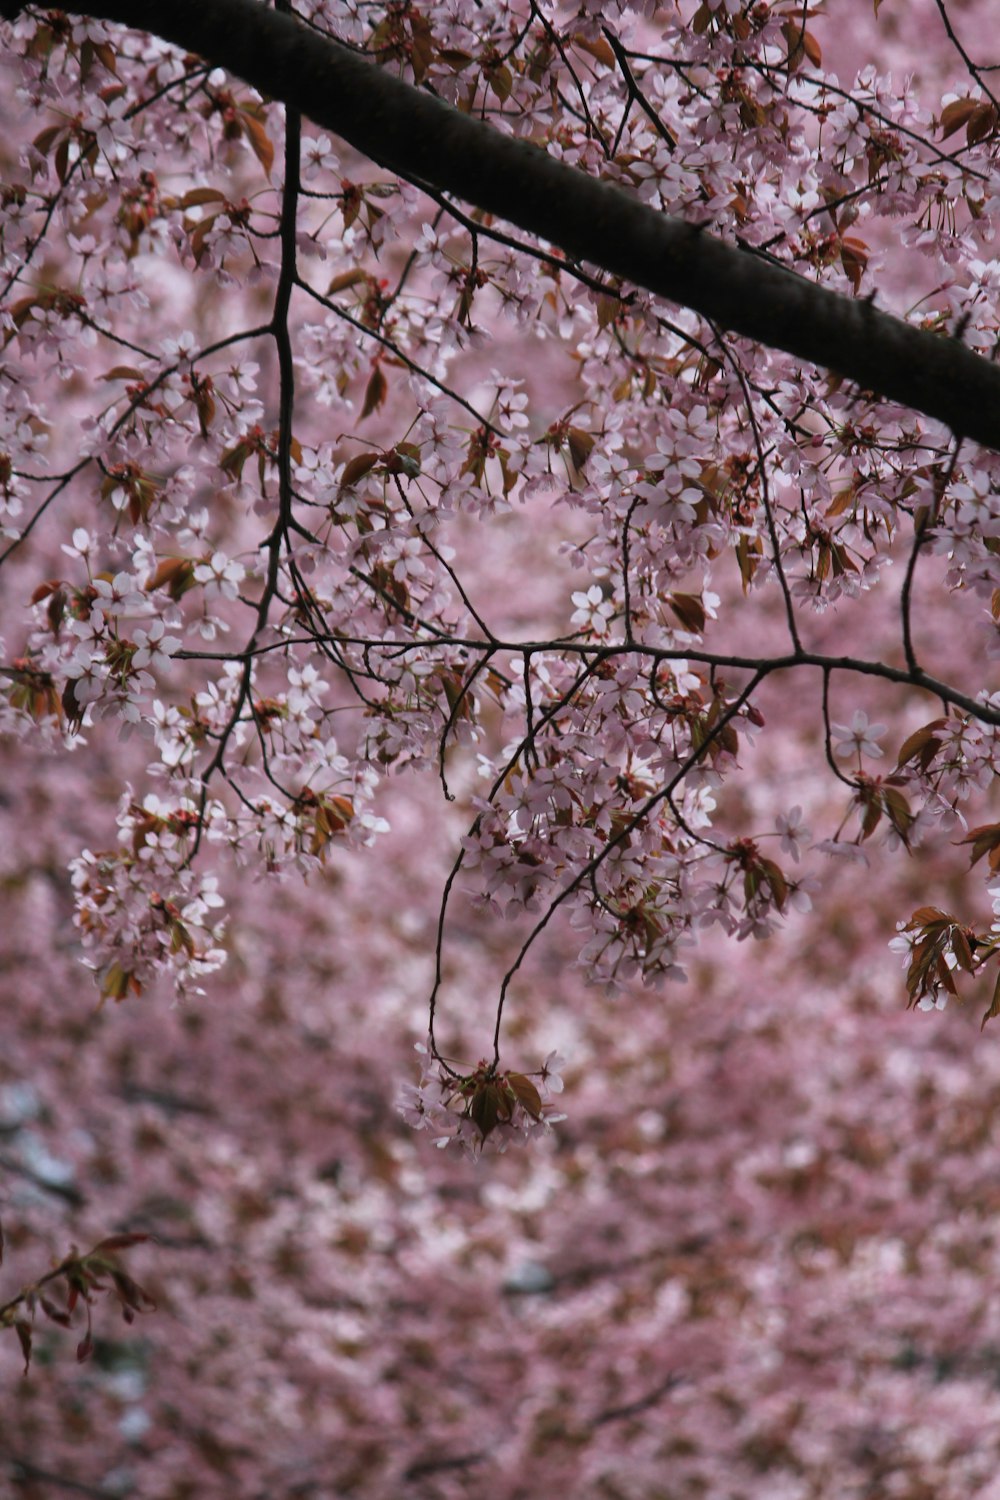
485, 1109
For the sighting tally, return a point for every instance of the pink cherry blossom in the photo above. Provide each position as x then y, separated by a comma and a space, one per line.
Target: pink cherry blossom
859, 737
428, 610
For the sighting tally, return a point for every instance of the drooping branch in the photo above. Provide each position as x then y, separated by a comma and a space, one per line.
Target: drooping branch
408, 130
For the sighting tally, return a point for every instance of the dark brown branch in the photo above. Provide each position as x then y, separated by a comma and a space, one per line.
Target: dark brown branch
976, 708
408, 130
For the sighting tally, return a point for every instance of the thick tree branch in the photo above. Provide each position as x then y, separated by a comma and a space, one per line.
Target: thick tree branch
410, 131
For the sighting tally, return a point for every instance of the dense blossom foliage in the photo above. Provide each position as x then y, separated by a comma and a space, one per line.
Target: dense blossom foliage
404, 623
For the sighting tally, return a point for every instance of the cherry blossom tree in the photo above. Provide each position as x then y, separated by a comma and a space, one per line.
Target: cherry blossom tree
498, 515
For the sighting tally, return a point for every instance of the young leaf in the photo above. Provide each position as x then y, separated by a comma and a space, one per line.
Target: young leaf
375, 392
956, 114
994, 1009
23, 1330
526, 1094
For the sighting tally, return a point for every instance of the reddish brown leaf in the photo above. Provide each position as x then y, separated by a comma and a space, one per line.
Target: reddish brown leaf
962, 950
872, 818
775, 878
23, 1330
357, 467
801, 44
526, 1094
982, 123
486, 1108
119, 1242
197, 196
928, 916
899, 812
259, 139
994, 1009
922, 744
984, 840
454, 58
354, 277
422, 47
375, 392
690, 610
501, 81
581, 444
956, 114
54, 1313
812, 49
854, 258
175, 574
597, 48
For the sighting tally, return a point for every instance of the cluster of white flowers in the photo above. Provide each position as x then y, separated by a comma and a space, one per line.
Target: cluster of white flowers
143, 909
482, 1110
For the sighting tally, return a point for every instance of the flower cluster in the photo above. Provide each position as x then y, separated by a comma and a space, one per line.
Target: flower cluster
282, 610
640, 650
142, 909
485, 1109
